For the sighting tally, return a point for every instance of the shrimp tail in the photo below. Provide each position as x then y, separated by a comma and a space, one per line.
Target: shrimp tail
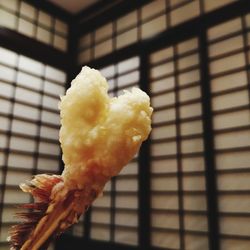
56, 208
40, 187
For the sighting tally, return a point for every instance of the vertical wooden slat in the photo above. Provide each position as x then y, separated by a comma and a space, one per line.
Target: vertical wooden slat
144, 167
209, 152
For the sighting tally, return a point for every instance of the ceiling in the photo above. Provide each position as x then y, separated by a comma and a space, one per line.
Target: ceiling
73, 6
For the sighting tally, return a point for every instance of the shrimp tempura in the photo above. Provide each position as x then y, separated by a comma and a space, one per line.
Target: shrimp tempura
99, 136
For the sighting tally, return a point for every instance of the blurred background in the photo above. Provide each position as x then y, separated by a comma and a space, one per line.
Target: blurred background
189, 187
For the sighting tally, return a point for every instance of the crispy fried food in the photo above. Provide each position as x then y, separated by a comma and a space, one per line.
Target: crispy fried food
99, 136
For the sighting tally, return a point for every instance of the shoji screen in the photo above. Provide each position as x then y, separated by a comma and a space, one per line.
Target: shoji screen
178, 193
229, 72
114, 217
29, 126
35, 23
141, 24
